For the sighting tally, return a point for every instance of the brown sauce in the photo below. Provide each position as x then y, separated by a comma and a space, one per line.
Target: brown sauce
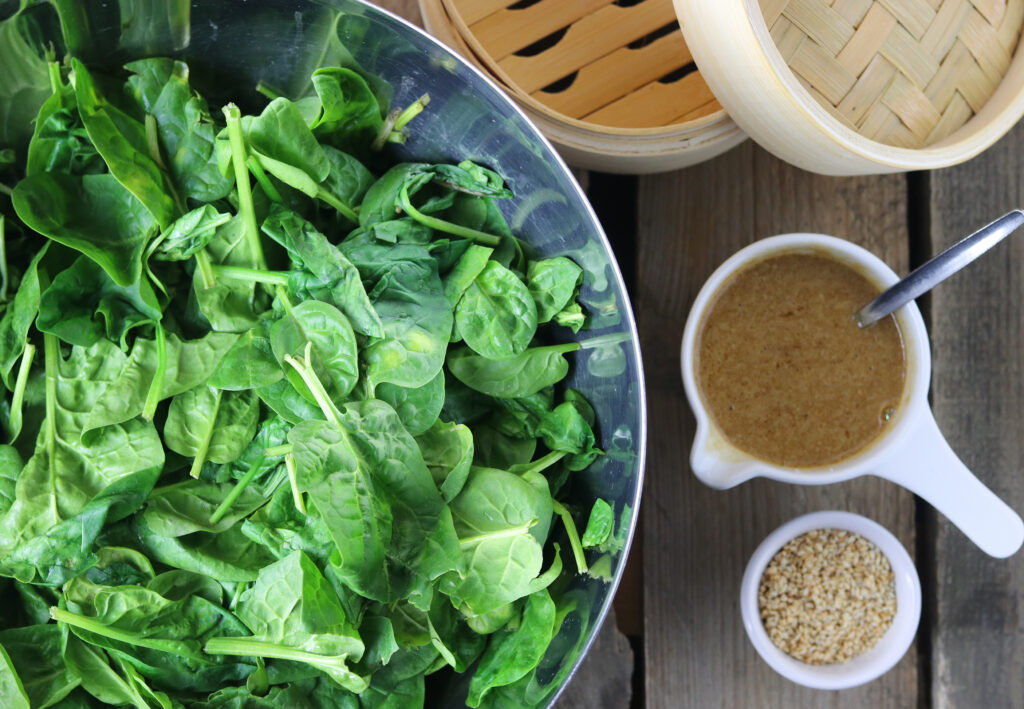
785, 371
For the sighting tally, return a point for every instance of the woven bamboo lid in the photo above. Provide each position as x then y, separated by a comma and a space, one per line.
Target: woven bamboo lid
611, 82
863, 86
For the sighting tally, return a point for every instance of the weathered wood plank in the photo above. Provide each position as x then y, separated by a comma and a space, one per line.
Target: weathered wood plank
605, 679
697, 540
977, 335
408, 9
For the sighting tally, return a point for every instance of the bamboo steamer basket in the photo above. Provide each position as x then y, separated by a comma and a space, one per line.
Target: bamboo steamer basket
838, 87
853, 87
635, 103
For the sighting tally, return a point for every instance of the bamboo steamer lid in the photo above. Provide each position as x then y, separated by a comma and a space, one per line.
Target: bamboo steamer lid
848, 87
610, 82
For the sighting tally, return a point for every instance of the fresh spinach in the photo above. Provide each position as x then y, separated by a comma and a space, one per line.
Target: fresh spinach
252, 389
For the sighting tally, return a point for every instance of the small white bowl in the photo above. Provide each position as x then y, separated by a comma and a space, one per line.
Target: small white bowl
867, 666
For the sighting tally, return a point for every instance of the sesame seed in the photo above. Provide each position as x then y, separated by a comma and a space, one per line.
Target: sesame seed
827, 596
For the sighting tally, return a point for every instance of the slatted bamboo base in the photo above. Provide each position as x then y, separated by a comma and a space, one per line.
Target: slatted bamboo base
902, 72
613, 63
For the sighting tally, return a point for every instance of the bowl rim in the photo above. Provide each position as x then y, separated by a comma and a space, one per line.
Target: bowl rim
865, 667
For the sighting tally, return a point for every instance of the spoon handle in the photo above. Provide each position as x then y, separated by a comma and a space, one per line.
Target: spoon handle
931, 273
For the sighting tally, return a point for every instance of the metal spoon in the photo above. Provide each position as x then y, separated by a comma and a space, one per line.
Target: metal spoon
931, 273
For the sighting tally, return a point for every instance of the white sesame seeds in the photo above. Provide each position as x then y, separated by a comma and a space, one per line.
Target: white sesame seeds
827, 596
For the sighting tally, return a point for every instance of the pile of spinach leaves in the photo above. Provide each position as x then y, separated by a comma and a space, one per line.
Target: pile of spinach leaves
283, 426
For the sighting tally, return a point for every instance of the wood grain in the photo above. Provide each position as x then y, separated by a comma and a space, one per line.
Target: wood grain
977, 336
697, 540
407, 9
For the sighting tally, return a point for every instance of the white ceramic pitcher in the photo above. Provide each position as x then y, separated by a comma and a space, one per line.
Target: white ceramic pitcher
911, 452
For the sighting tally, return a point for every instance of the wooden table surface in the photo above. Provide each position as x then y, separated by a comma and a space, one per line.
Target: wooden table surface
679, 602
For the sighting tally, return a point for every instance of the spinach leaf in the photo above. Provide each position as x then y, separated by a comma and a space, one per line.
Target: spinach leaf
26, 81
348, 179
18, 318
60, 142
510, 655
188, 234
121, 141
10, 468
185, 508
71, 487
496, 315
249, 364
210, 424
349, 116
447, 450
493, 515
366, 476
161, 636
455, 641
282, 398
83, 304
282, 528
294, 615
92, 214
326, 333
188, 364
600, 525
227, 556
417, 322
521, 375
229, 306
36, 658
565, 429
109, 679
553, 284
186, 130
417, 408
466, 269
337, 281
11, 691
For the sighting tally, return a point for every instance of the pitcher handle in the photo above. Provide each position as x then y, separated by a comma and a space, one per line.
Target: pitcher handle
928, 467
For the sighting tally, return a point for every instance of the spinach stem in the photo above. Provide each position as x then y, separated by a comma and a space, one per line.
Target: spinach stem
153, 143
239, 589
53, 70
414, 109
205, 268
4, 189
18, 396
289, 464
385, 130
343, 209
204, 447
442, 225
574, 537
541, 464
238, 489
241, 273
603, 340
469, 542
3, 258
245, 205
275, 451
268, 91
305, 370
94, 626
260, 648
156, 387
51, 356
261, 176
